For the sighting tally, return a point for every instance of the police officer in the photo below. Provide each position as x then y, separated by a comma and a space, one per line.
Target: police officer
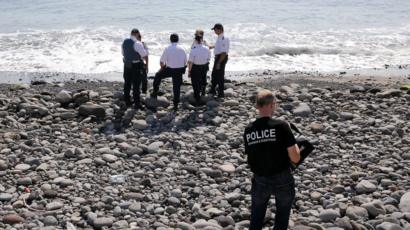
144, 72
221, 58
173, 64
198, 66
133, 55
270, 146
199, 32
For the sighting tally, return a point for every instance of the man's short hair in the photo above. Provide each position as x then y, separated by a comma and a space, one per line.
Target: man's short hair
265, 97
135, 31
174, 38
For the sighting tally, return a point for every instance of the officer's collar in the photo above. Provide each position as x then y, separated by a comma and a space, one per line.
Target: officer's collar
133, 38
221, 35
174, 43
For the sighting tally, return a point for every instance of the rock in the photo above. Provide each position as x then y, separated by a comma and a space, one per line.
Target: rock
346, 116
103, 222
202, 224
374, 208
81, 98
315, 196
3, 165
174, 201
365, 186
303, 110
316, 127
229, 168
24, 181
91, 110
64, 97
389, 93
155, 146
109, 158
50, 220
141, 124
388, 226
13, 219
5, 197
22, 167
153, 103
231, 103
134, 151
185, 226
357, 89
34, 110
211, 172
329, 215
357, 213
225, 221
404, 204
54, 205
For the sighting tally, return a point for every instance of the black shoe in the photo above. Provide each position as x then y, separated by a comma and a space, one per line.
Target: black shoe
221, 96
175, 108
212, 91
138, 106
128, 103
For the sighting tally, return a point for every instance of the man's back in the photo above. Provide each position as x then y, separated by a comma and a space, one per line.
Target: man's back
266, 143
174, 56
200, 54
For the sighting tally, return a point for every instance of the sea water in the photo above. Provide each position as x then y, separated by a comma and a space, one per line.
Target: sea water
78, 36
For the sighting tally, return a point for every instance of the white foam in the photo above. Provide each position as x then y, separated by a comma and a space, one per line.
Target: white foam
253, 47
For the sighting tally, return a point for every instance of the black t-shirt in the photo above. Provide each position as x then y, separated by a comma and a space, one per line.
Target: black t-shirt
266, 143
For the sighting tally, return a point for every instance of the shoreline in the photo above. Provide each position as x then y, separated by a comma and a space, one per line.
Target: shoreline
383, 76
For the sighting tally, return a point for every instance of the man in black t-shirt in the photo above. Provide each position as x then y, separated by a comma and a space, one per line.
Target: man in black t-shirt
269, 146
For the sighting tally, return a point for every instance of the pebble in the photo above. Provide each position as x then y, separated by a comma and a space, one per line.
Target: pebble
54, 205
4, 197
110, 168
12, 219
404, 204
365, 186
22, 167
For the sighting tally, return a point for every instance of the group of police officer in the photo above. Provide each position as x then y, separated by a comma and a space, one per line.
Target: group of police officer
269, 143
173, 64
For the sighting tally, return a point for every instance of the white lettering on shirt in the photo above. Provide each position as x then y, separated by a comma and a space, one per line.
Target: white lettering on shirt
261, 136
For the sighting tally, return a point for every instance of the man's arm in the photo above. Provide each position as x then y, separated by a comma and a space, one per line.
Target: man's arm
290, 142
163, 59
189, 68
294, 153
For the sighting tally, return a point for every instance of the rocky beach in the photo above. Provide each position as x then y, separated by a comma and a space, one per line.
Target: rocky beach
73, 157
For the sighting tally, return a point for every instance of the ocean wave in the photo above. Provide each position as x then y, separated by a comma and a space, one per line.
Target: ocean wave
253, 46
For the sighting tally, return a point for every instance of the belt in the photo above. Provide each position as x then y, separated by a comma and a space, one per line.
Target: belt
203, 65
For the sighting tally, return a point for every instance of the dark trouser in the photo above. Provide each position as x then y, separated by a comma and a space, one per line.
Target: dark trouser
218, 76
198, 79
282, 186
176, 75
132, 77
144, 80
